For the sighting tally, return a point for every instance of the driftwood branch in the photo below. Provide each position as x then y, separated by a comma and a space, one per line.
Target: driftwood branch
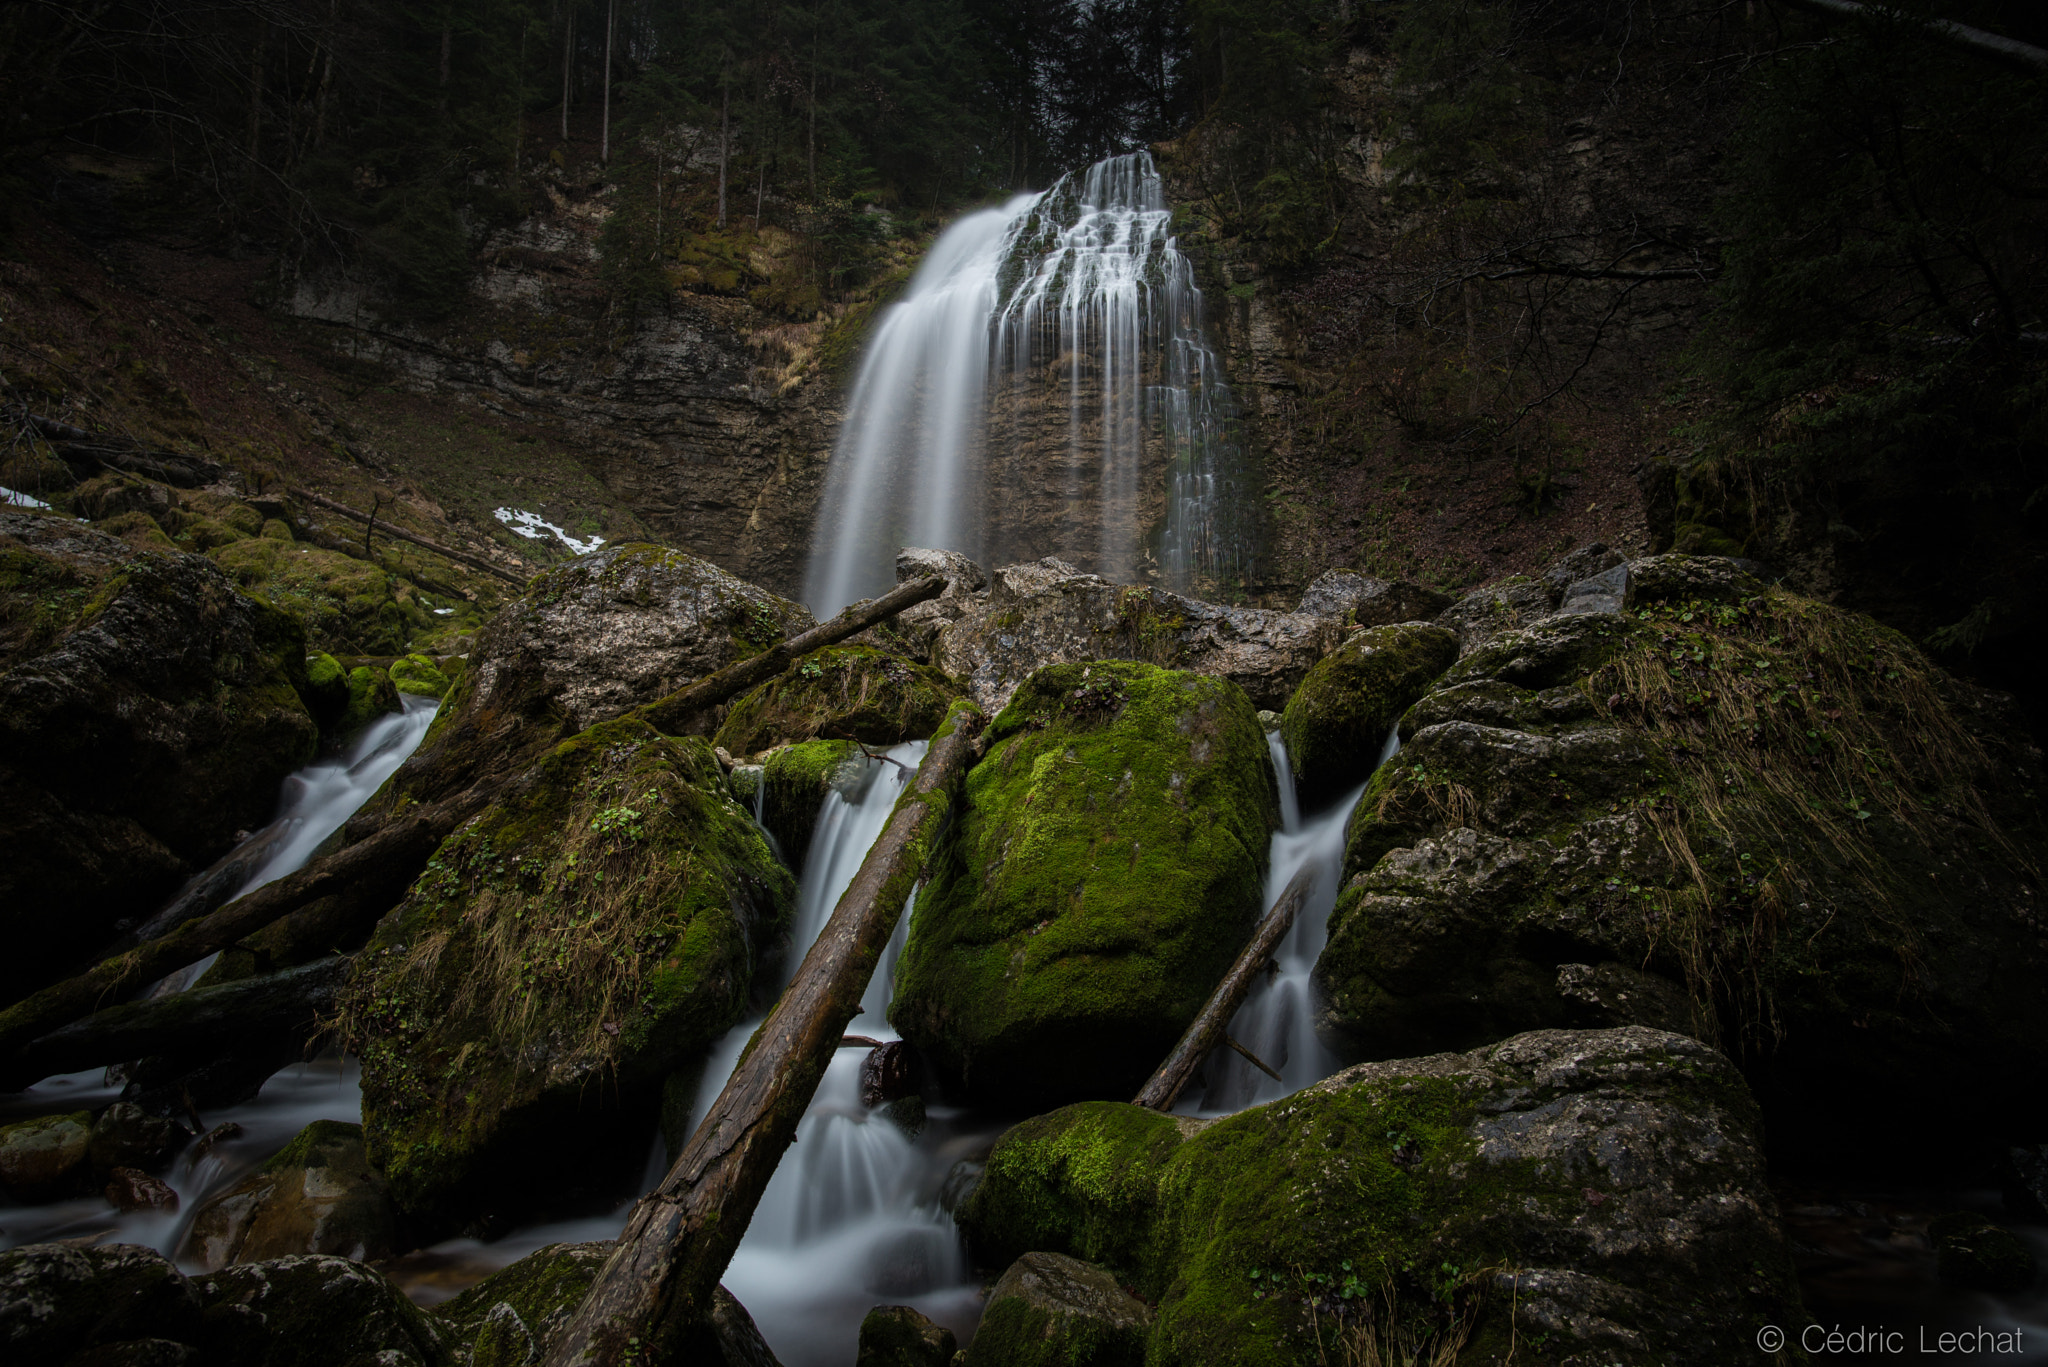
371, 871
1211, 1026
661, 1279
674, 712
1253, 1059
369, 520
185, 1024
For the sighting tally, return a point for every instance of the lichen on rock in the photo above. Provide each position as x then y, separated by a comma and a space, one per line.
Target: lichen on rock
1105, 873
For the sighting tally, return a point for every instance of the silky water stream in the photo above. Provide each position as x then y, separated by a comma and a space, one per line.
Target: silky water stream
315, 802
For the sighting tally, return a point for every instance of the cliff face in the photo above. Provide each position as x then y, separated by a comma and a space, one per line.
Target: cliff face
710, 420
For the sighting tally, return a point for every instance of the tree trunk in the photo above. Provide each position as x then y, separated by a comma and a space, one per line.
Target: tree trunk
459, 557
186, 1025
1209, 1029
672, 713
256, 51
724, 143
568, 64
604, 139
373, 870
661, 1279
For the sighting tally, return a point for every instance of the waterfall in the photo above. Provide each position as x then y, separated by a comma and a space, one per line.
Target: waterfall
1044, 387
1277, 1020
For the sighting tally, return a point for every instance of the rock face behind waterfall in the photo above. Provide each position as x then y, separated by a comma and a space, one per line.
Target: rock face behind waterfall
1048, 612
559, 957
588, 640
1680, 797
148, 711
1105, 874
1603, 1190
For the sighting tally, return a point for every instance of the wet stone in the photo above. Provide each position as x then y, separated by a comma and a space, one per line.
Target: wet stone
898, 1336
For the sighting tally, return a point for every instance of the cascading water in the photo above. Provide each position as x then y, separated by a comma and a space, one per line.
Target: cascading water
1277, 1020
1044, 387
315, 802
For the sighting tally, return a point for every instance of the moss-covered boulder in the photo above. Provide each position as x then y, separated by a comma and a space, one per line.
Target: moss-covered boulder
1779, 809
318, 1194
588, 640
327, 691
899, 1336
57, 1301
1365, 601
510, 1318
1106, 872
420, 676
1337, 722
44, 1157
139, 530
1593, 1192
1049, 1310
1970, 1251
371, 694
845, 692
315, 1311
148, 713
348, 605
559, 957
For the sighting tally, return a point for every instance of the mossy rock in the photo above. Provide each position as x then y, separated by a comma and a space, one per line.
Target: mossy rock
419, 675
1603, 1189
148, 713
139, 530
348, 606
226, 510
318, 1194
1338, 720
41, 1158
1106, 873
327, 692
797, 779
314, 1311
1970, 1251
899, 1336
1780, 809
842, 692
204, 534
1049, 1310
276, 529
371, 694
559, 957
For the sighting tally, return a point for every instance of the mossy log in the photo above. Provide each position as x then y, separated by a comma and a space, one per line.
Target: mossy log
672, 713
186, 1024
369, 520
372, 874
1163, 1088
664, 1274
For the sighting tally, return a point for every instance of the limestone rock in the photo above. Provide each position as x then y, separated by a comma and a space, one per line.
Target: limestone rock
472, 1078
41, 1157
316, 1195
1971, 1251
1050, 1310
1047, 612
1757, 805
56, 1300
318, 1311
962, 575
1337, 722
1105, 872
148, 712
898, 1336
1485, 613
129, 1189
588, 640
1362, 600
1602, 1188
127, 1136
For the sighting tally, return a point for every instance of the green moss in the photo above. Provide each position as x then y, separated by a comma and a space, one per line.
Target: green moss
1105, 874
417, 674
203, 534
309, 1147
1338, 719
347, 605
370, 695
605, 922
138, 529
276, 529
542, 1289
842, 692
1016, 1333
797, 779
1082, 1181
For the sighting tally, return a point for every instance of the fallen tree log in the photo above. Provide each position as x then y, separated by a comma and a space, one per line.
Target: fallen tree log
674, 712
375, 870
206, 891
185, 1025
1212, 1026
661, 1279
475, 562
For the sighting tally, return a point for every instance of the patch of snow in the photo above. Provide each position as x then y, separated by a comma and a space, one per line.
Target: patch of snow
12, 499
443, 612
534, 528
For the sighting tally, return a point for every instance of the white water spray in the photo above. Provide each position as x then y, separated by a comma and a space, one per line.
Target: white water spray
1047, 369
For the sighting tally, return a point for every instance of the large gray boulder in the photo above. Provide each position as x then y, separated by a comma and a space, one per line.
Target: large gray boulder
1604, 1190
1047, 612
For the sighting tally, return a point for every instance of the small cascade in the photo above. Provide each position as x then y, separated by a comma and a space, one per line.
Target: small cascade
1277, 1020
315, 802
1044, 387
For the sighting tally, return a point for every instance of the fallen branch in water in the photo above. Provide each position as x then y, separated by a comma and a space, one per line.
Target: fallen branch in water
1211, 1027
660, 1280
